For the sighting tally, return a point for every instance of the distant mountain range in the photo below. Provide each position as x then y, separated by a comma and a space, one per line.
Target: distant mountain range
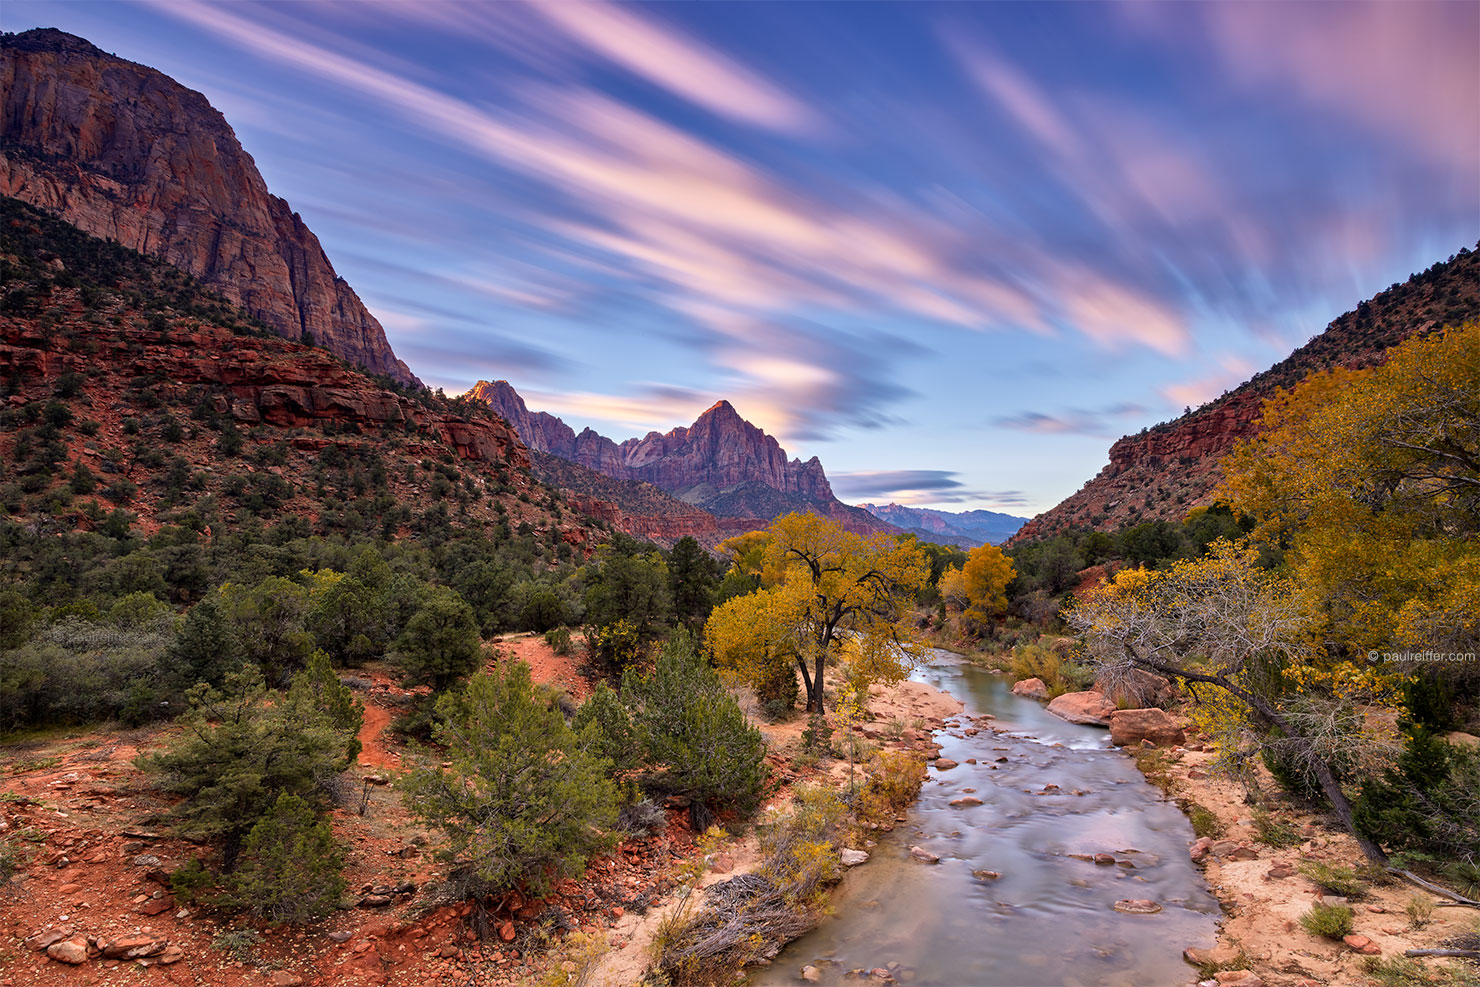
1163, 472
967, 529
721, 464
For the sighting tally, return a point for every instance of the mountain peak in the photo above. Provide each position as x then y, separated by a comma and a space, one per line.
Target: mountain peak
721, 409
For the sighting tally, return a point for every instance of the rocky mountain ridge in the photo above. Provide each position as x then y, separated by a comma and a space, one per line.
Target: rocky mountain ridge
159, 399
967, 529
721, 463
124, 152
1163, 472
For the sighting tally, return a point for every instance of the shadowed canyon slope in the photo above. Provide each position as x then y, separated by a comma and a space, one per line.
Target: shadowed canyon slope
126, 153
1165, 471
721, 463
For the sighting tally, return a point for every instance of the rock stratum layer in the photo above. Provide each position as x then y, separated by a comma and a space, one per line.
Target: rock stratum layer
1165, 471
126, 153
722, 463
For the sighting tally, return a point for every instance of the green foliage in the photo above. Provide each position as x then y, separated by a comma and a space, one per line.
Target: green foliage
267, 620
693, 576
1425, 803
290, 868
1058, 673
1272, 831
317, 688
1331, 921
607, 730
17, 618
629, 586
523, 804
205, 648
697, 742
242, 747
440, 643
558, 638
1335, 879
74, 671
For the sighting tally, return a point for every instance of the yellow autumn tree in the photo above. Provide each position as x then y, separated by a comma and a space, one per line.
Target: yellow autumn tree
1371, 481
823, 585
1223, 623
978, 588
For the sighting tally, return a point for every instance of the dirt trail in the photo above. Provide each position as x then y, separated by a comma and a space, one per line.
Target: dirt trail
373, 752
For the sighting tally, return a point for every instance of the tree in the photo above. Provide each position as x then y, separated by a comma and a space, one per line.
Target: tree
693, 576
523, 803
1371, 479
204, 650
828, 583
979, 588
290, 867
440, 643
607, 730
267, 620
242, 747
1222, 621
755, 638
630, 586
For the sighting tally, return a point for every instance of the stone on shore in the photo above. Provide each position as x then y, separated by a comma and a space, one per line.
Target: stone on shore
1134, 726
852, 858
1087, 708
1031, 688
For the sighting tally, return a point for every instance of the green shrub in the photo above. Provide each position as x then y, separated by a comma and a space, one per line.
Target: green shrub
440, 643
522, 804
240, 752
1334, 878
290, 868
1275, 832
697, 741
606, 729
1331, 921
558, 638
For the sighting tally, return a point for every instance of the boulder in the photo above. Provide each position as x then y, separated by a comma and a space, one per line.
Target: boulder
1133, 726
1088, 708
1135, 687
1031, 688
944, 764
852, 858
966, 801
72, 951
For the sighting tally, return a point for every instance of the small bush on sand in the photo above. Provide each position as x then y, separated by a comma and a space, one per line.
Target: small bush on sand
1331, 921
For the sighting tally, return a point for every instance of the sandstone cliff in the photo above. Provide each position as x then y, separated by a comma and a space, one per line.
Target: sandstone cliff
126, 153
721, 463
1165, 471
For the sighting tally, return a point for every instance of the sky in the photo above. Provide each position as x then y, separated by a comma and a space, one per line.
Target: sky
954, 250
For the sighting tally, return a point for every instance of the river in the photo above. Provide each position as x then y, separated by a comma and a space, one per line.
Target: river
1048, 920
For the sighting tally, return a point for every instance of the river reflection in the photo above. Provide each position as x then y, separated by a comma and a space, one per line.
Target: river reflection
1048, 919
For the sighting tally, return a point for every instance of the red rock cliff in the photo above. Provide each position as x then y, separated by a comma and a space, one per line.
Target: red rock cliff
124, 152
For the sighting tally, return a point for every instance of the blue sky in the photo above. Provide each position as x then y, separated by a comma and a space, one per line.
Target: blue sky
954, 250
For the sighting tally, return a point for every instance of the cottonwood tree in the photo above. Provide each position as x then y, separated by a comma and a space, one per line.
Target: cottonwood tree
822, 585
1223, 622
978, 588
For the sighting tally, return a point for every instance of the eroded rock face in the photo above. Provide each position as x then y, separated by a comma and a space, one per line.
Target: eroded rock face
125, 152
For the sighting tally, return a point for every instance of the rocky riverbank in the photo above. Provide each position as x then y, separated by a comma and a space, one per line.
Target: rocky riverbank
1259, 864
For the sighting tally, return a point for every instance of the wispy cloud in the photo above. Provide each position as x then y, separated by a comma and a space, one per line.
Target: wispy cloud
1102, 423
917, 487
685, 67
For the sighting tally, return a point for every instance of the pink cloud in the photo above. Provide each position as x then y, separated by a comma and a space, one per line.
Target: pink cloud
679, 64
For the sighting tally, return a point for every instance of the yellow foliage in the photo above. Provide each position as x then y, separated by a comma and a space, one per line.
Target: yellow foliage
1370, 477
823, 585
745, 552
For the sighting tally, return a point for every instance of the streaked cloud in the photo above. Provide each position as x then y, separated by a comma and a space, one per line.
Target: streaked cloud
682, 65
1103, 423
917, 487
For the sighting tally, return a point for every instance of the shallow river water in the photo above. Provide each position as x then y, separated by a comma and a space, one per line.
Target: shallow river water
1049, 919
